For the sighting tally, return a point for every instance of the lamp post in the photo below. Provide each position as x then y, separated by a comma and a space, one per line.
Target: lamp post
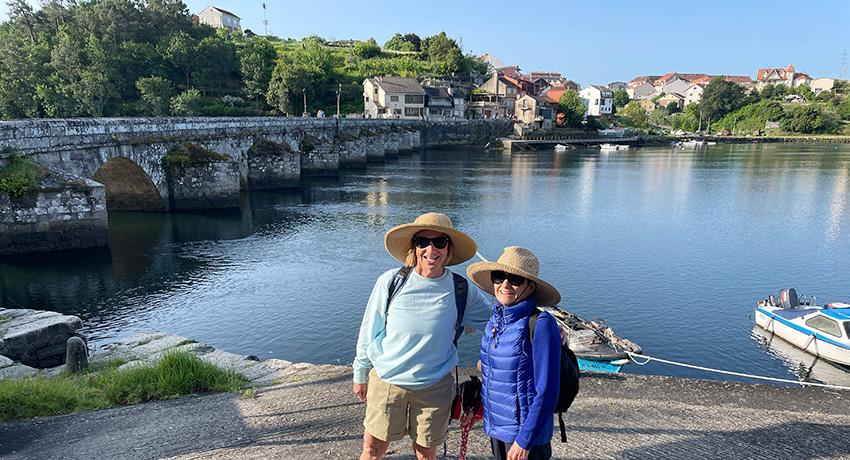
304, 92
338, 92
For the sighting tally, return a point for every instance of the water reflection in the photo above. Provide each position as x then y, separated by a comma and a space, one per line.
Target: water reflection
670, 247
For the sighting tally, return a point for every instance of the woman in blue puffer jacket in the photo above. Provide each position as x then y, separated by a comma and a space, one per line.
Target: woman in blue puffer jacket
520, 378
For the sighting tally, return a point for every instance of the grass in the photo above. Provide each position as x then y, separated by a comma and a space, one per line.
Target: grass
3, 319
20, 176
175, 374
190, 154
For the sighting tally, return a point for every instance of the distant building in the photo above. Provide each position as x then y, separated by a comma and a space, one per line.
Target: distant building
676, 98
493, 63
393, 97
820, 85
617, 85
677, 86
651, 79
778, 76
543, 80
534, 111
641, 89
648, 104
598, 99
693, 94
219, 18
672, 77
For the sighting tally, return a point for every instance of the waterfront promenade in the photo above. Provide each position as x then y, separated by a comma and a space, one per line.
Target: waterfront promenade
629, 416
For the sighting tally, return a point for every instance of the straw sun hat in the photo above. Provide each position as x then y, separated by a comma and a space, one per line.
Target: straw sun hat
398, 240
518, 261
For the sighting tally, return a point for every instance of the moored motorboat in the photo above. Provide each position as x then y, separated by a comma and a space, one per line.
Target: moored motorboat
561, 148
691, 143
823, 331
596, 346
614, 147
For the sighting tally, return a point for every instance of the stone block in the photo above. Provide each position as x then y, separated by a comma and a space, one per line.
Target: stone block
29, 341
17, 371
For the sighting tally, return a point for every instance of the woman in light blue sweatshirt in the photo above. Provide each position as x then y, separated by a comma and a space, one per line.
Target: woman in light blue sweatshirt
406, 348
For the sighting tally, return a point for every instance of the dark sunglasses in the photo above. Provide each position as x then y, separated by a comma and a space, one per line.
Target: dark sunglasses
439, 242
498, 277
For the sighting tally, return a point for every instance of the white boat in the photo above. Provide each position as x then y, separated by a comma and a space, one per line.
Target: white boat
800, 363
613, 147
561, 148
822, 331
692, 143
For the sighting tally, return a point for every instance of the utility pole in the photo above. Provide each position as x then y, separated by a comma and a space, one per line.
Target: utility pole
843, 63
304, 92
265, 20
338, 92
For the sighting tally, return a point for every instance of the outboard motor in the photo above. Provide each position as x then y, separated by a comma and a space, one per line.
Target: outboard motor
788, 298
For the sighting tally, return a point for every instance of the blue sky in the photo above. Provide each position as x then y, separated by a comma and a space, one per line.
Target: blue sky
592, 41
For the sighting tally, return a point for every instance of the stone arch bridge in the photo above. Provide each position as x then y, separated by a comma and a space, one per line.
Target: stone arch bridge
166, 164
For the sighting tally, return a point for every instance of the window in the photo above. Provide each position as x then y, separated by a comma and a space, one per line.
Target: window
414, 99
411, 112
847, 327
393, 98
824, 324
397, 111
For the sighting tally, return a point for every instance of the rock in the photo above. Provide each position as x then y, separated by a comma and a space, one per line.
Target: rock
36, 338
17, 371
76, 355
5, 362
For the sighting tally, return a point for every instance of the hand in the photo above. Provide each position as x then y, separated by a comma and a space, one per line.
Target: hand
360, 391
517, 453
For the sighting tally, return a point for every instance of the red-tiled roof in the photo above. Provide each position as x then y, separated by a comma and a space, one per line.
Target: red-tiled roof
781, 74
555, 93
683, 76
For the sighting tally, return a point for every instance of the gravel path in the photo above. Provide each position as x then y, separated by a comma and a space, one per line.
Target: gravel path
307, 417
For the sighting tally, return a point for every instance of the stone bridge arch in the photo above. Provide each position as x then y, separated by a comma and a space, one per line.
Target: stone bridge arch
133, 176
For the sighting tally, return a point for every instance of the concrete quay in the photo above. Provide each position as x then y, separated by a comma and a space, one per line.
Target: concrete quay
314, 415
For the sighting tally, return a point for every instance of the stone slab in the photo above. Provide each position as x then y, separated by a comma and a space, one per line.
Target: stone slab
17, 371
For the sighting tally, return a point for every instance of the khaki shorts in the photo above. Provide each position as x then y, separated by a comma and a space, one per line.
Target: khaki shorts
392, 411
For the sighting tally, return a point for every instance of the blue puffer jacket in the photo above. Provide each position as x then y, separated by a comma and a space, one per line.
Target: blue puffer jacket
520, 389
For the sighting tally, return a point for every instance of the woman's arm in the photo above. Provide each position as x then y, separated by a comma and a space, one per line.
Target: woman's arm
546, 356
371, 327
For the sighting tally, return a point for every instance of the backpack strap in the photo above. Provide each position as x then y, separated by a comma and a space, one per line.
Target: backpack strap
461, 291
532, 324
398, 281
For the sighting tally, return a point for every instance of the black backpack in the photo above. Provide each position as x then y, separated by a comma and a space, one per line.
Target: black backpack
461, 289
569, 377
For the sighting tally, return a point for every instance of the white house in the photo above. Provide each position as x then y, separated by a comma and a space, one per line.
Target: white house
219, 18
598, 99
820, 85
393, 97
779, 76
693, 94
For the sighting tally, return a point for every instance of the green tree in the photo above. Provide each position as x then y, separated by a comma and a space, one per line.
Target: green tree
621, 98
806, 92
774, 92
672, 107
216, 67
367, 49
807, 120
636, 115
304, 71
256, 63
187, 103
443, 53
573, 108
399, 42
844, 109
97, 83
721, 97
156, 93
179, 50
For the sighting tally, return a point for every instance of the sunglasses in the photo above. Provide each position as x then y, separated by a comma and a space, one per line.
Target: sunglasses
439, 242
498, 277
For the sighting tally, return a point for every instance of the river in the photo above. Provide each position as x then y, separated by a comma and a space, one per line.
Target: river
672, 248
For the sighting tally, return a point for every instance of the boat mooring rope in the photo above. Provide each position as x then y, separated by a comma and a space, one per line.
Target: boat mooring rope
646, 359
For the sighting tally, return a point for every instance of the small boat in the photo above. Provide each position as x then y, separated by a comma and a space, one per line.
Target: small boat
800, 363
692, 143
823, 331
613, 147
596, 346
561, 148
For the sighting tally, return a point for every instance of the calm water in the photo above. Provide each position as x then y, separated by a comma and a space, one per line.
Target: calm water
671, 248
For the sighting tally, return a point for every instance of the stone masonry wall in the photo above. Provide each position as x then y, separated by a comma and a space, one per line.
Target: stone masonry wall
352, 153
207, 186
273, 165
58, 215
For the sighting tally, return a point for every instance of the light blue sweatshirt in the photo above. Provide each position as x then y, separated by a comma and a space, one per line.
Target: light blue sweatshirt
416, 348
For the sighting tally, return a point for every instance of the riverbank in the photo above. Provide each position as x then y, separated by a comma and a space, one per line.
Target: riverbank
624, 416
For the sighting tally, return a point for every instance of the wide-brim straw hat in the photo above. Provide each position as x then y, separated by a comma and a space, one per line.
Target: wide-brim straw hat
399, 239
518, 261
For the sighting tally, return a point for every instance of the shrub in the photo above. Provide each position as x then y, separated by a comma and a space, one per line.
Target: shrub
809, 120
20, 176
186, 103
155, 94
367, 49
